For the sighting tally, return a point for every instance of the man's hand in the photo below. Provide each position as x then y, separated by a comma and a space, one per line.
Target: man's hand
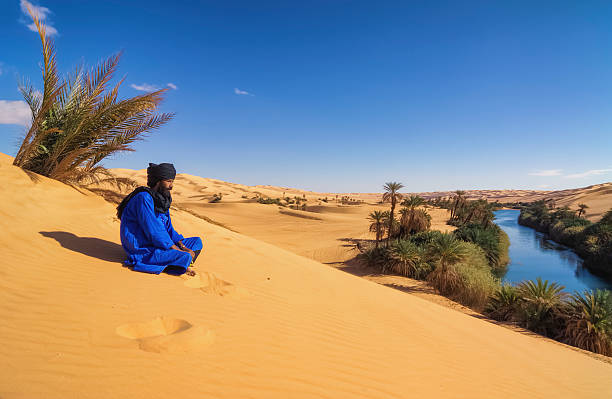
183, 248
191, 252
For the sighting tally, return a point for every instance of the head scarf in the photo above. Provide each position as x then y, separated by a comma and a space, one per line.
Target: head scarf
163, 171
161, 200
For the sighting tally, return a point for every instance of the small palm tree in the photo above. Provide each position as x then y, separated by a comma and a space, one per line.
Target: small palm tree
447, 251
406, 258
582, 209
589, 321
541, 305
413, 221
377, 218
392, 195
392, 223
504, 304
77, 123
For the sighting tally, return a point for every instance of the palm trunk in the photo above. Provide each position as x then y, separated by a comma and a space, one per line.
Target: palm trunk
391, 220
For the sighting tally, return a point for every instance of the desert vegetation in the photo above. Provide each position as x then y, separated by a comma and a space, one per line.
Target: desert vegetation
77, 122
591, 241
583, 319
465, 266
474, 221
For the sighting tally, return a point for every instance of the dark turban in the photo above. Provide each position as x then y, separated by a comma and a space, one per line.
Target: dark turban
163, 171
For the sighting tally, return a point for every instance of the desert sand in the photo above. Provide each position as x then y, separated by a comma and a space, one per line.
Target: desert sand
257, 321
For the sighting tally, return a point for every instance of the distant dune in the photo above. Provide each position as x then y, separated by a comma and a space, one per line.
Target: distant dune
257, 321
598, 197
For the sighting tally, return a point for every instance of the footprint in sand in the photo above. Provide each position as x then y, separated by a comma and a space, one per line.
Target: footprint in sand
211, 284
166, 334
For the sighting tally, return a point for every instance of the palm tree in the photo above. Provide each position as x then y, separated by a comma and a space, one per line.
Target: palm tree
407, 221
392, 195
377, 226
413, 202
406, 258
447, 251
582, 209
77, 123
413, 221
503, 304
459, 199
540, 305
589, 323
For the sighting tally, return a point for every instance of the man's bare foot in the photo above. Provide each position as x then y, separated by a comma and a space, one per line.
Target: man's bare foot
190, 273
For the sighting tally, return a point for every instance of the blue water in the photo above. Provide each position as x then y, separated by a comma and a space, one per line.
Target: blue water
533, 256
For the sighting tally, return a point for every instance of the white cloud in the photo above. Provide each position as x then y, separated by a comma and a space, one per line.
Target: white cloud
549, 172
242, 92
41, 13
15, 113
172, 86
49, 30
144, 87
593, 172
542, 186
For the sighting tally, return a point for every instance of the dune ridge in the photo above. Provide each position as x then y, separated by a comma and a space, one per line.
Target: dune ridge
74, 321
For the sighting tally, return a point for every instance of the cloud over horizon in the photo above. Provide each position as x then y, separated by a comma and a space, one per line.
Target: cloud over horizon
549, 172
41, 13
15, 113
592, 172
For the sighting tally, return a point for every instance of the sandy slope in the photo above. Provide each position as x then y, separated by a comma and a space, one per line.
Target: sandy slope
258, 321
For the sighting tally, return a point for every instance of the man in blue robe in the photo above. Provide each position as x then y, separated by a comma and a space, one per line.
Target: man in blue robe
147, 235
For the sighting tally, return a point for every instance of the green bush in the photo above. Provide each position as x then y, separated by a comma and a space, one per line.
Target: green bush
477, 282
269, 201
492, 240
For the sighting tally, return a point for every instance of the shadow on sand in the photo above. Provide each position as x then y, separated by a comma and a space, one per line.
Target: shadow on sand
98, 248
90, 246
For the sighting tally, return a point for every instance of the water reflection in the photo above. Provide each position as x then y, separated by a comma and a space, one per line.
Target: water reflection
532, 255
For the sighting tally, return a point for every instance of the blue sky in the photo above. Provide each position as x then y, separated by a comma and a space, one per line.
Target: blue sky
347, 95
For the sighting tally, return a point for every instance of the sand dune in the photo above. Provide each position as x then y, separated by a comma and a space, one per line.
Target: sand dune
197, 189
257, 321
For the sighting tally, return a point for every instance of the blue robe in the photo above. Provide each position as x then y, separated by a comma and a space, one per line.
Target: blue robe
147, 237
